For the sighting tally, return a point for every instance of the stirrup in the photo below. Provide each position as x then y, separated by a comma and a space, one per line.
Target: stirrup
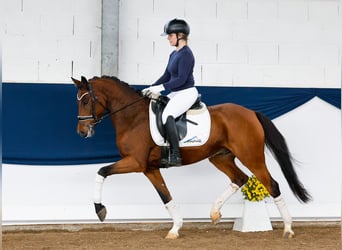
171, 162
175, 160
164, 163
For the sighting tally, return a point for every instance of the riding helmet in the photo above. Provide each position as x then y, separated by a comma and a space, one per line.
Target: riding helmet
176, 26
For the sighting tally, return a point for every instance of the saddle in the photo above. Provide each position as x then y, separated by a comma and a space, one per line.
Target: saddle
158, 107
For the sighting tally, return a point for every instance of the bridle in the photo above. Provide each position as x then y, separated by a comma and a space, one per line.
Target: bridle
95, 100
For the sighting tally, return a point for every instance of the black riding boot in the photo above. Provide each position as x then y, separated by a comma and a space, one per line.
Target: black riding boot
172, 135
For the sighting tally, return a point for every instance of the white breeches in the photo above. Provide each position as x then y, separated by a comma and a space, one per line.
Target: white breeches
180, 101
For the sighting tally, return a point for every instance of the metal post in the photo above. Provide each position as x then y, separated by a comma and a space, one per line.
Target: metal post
110, 37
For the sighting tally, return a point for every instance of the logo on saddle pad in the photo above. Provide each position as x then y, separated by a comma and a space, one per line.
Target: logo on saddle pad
193, 126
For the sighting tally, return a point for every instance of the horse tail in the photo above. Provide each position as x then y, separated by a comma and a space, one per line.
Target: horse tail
276, 143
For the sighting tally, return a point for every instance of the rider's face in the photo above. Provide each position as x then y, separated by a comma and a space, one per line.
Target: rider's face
172, 39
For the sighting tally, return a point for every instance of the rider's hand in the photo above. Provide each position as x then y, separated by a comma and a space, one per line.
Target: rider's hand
145, 90
153, 90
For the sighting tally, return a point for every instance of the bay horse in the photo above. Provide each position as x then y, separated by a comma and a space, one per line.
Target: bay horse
236, 132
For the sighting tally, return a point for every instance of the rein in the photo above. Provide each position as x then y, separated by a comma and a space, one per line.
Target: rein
122, 108
94, 99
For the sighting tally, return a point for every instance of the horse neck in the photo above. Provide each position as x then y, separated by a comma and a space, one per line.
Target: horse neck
125, 104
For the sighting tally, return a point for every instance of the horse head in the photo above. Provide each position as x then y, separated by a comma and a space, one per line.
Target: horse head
91, 107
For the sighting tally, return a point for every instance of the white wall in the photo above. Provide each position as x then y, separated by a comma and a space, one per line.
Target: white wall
236, 42
50, 41
55, 194
245, 42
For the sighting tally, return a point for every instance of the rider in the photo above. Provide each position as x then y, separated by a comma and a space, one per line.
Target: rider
179, 80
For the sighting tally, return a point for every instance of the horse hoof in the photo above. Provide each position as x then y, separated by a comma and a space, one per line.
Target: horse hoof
288, 235
215, 217
101, 211
172, 236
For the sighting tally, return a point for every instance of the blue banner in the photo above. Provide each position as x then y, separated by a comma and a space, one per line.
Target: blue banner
39, 120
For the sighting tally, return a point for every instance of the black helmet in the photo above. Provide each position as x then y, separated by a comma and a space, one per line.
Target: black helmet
176, 26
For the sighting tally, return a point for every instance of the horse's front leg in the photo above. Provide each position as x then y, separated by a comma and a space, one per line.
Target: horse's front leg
158, 182
126, 165
99, 208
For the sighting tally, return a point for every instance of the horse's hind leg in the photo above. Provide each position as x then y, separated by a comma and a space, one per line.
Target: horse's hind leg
224, 161
259, 169
158, 182
265, 177
280, 203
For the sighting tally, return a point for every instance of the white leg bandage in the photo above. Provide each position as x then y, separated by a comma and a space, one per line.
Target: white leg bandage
177, 219
279, 201
285, 215
232, 188
98, 188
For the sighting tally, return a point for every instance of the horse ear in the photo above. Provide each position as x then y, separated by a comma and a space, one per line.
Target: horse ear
84, 80
76, 82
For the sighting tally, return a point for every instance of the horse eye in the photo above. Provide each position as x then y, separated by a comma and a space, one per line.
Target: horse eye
85, 100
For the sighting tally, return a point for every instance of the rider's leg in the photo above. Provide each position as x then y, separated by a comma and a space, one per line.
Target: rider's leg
172, 137
180, 102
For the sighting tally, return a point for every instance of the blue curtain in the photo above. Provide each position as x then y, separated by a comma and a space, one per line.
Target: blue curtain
39, 120
273, 102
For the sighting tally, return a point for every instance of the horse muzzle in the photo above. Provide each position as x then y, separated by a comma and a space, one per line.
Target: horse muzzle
85, 131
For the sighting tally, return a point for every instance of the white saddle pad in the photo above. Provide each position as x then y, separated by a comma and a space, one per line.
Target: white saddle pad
196, 135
